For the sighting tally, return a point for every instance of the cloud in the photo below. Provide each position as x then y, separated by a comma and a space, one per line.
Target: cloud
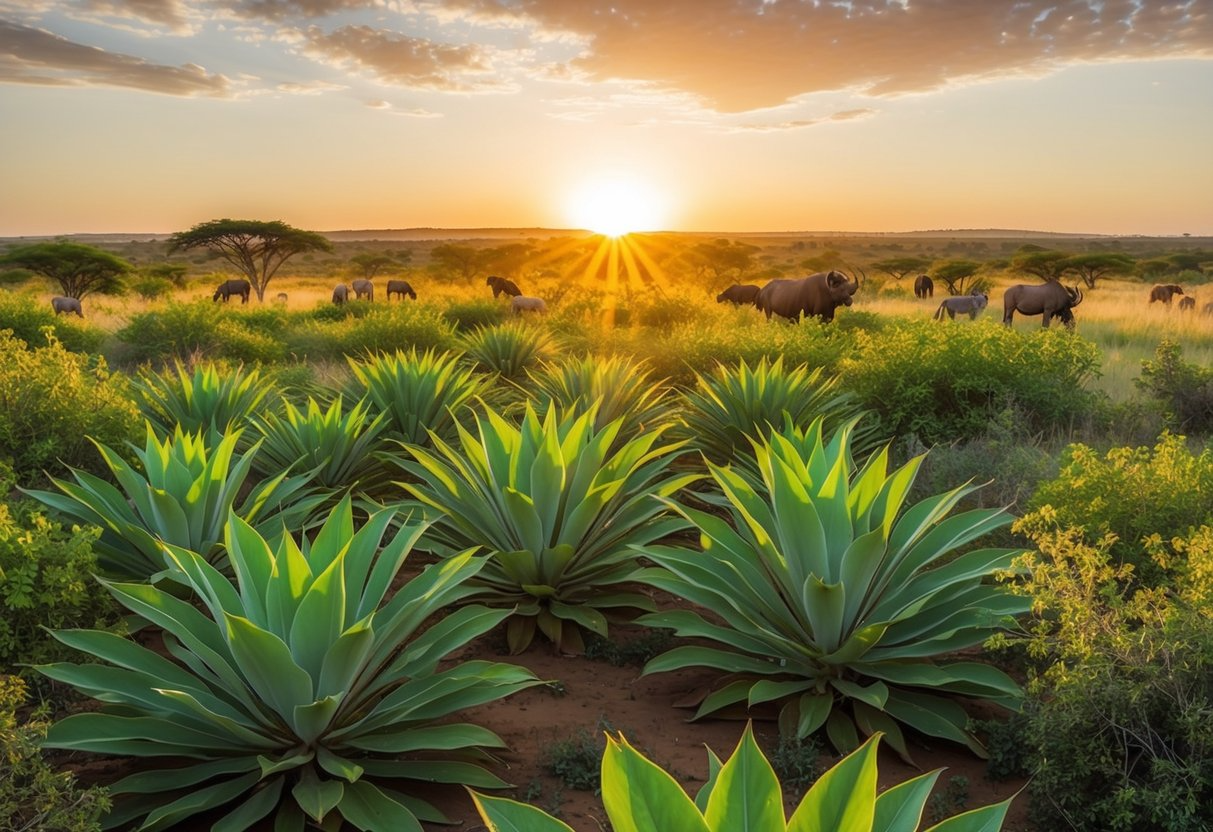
401, 59
281, 10
35, 56
170, 13
740, 55
799, 124
308, 87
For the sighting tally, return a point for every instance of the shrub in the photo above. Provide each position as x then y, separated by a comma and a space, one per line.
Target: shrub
181, 331
295, 690
475, 314
1186, 390
28, 319
381, 329
50, 401
1132, 493
832, 598
34, 797
508, 349
212, 399
743, 793
151, 288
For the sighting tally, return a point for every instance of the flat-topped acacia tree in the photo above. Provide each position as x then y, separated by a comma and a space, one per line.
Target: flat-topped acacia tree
256, 247
79, 269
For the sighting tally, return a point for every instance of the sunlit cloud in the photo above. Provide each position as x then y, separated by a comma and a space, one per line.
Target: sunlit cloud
800, 124
289, 10
309, 88
173, 15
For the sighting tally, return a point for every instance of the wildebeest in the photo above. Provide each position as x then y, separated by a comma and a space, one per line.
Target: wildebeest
341, 293
1207, 309
739, 294
63, 305
521, 303
818, 294
280, 297
503, 286
1165, 292
362, 287
1048, 300
972, 304
400, 287
233, 287
924, 287
1187, 302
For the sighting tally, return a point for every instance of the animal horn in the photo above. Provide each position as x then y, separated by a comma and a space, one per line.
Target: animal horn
855, 276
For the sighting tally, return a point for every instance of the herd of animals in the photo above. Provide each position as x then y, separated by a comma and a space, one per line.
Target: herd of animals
817, 295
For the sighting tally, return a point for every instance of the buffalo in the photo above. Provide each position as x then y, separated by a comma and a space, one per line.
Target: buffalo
233, 287
1186, 303
924, 287
503, 286
400, 287
341, 293
1165, 292
362, 287
521, 303
63, 305
739, 294
1049, 300
971, 304
818, 295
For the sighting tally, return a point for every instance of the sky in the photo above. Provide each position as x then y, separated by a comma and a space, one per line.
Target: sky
688, 115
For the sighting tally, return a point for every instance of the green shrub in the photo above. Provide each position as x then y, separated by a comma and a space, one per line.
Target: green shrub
380, 329
1132, 493
33, 796
182, 331
1185, 390
947, 383
508, 349
51, 400
27, 318
211, 398
473, 314
574, 761
151, 288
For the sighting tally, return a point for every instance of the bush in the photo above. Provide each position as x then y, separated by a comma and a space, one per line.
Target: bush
28, 319
34, 797
1185, 390
508, 349
185, 330
50, 401
473, 314
381, 329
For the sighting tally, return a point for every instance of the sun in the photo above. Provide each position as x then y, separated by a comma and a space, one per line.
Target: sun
617, 205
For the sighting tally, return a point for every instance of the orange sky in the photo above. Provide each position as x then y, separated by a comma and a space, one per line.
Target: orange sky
736, 115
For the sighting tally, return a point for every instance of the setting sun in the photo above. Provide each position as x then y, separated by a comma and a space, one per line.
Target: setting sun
617, 206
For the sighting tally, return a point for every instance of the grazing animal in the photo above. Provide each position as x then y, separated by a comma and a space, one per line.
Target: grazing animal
400, 287
341, 293
280, 297
503, 286
1207, 309
924, 287
818, 294
521, 303
62, 305
972, 304
233, 287
363, 287
1187, 302
1049, 300
739, 294
1165, 292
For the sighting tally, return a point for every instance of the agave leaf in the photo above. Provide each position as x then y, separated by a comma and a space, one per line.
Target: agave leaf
198, 800
746, 796
844, 798
899, 808
504, 815
317, 797
640, 797
265, 661
262, 802
984, 819
367, 807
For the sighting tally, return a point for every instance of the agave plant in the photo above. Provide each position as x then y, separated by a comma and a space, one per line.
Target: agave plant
744, 794
203, 400
835, 599
735, 405
183, 496
507, 349
557, 508
621, 387
296, 690
419, 392
337, 448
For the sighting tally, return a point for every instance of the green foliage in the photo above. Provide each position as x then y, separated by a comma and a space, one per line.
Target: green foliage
948, 383
78, 269
212, 398
473, 314
574, 761
1131, 493
636, 651
50, 400
834, 599
508, 349
33, 796
28, 320
1186, 390
744, 793
45, 581
559, 506
421, 393
183, 497
152, 288
795, 761
183, 331
295, 690
735, 406
381, 329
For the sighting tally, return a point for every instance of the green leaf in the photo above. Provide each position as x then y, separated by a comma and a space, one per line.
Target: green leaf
368, 808
266, 661
317, 797
746, 797
640, 797
899, 809
503, 815
844, 798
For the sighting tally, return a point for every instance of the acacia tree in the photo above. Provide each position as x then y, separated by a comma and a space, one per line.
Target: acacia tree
1047, 265
256, 247
1093, 267
899, 267
463, 261
79, 269
370, 265
955, 274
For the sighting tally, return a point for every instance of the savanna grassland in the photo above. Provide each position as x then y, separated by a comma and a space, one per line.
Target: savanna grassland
499, 524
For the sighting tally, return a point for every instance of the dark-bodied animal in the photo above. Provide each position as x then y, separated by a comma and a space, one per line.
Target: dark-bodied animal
970, 304
1207, 309
924, 287
341, 293
400, 287
1187, 303
363, 287
1165, 292
233, 287
280, 297
1049, 300
521, 303
816, 295
739, 294
502, 286
63, 305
